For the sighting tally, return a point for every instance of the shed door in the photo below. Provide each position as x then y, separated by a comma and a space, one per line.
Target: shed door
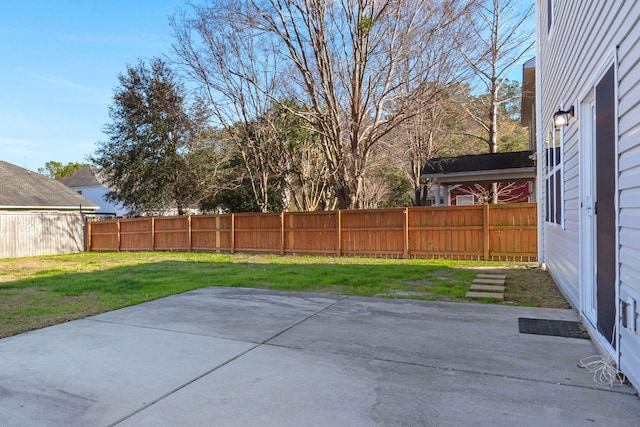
605, 204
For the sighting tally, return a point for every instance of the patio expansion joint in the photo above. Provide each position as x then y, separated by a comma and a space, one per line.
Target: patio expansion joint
215, 368
463, 371
175, 331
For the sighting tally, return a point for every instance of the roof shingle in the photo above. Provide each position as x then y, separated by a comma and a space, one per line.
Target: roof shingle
21, 188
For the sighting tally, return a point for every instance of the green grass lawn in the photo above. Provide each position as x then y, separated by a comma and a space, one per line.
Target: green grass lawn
41, 291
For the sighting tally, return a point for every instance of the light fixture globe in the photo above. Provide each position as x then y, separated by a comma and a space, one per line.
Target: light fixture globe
561, 117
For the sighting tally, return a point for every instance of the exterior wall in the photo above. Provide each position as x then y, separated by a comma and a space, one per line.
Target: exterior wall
97, 195
629, 179
585, 39
520, 194
40, 233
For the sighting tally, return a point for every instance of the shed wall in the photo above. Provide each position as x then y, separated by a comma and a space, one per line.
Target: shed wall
40, 233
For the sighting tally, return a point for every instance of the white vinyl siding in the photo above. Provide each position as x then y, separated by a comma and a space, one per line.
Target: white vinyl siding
582, 37
97, 195
629, 186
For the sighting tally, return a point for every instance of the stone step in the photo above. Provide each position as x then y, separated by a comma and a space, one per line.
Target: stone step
491, 276
488, 288
494, 295
488, 282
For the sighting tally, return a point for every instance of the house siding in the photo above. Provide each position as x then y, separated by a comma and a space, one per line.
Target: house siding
520, 193
25, 234
629, 183
97, 195
569, 58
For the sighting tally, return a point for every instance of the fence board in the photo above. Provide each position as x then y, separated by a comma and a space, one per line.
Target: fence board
373, 232
172, 233
136, 234
310, 233
211, 233
257, 232
446, 231
498, 232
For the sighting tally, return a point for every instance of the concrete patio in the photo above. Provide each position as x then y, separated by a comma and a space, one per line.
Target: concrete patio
251, 357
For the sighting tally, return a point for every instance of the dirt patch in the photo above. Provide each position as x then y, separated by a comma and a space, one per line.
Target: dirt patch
529, 285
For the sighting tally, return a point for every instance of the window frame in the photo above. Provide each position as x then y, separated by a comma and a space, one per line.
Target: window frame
554, 177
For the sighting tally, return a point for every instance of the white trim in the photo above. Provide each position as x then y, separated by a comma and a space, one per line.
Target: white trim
587, 233
513, 174
554, 138
465, 200
539, 145
48, 208
616, 201
587, 94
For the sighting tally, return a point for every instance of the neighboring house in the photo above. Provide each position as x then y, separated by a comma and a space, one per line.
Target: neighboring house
22, 190
39, 215
464, 179
588, 79
91, 183
475, 194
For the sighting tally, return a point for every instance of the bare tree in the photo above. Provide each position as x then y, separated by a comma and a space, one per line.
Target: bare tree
431, 132
234, 70
502, 36
508, 192
361, 67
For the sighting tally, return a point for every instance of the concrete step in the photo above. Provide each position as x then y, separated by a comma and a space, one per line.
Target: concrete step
489, 282
494, 295
491, 276
488, 288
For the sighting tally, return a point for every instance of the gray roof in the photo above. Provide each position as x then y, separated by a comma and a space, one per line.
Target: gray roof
479, 162
22, 188
85, 176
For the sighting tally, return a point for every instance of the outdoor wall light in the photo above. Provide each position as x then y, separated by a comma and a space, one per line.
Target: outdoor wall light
561, 118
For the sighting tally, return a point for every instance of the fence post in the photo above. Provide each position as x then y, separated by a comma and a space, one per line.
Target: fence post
405, 253
217, 234
189, 224
485, 211
89, 231
153, 233
339, 234
282, 215
233, 233
118, 231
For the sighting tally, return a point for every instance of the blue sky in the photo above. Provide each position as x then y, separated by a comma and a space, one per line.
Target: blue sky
59, 64
59, 67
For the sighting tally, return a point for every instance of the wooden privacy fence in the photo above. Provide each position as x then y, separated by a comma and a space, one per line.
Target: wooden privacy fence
489, 232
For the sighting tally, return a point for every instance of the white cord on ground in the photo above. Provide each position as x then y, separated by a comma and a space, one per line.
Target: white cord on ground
603, 369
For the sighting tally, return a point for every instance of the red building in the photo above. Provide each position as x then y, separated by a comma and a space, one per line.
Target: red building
465, 180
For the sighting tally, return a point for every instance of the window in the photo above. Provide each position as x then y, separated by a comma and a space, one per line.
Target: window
553, 176
549, 15
465, 200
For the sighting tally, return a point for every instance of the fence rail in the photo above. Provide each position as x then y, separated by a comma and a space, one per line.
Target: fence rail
489, 232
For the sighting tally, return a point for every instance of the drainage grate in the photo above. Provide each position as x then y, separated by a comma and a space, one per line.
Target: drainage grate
556, 328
